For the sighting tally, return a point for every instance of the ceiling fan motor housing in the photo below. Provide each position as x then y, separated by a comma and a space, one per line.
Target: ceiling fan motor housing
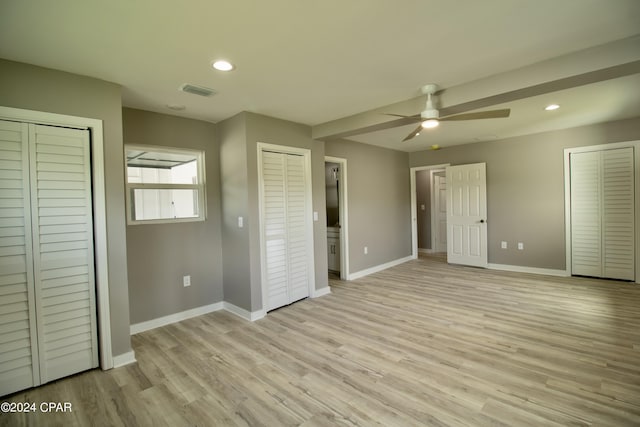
430, 114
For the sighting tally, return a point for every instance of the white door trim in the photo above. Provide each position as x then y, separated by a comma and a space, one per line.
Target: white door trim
343, 215
567, 195
435, 208
100, 215
414, 204
306, 153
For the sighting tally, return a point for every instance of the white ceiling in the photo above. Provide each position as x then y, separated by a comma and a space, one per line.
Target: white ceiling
313, 62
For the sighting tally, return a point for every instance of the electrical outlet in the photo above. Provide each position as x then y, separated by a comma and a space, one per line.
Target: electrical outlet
186, 281
503, 245
366, 250
520, 246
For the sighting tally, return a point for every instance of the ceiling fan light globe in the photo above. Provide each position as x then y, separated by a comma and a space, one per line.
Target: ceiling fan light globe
430, 124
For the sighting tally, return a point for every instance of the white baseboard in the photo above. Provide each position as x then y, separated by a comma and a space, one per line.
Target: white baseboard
321, 292
173, 318
377, 268
251, 316
534, 270
120, 360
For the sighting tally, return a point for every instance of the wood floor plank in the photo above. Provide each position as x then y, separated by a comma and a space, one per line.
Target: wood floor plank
423, 343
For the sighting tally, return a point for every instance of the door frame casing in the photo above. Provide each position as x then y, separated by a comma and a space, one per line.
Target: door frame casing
99, 212
343, 215
567, 196
435, 204
306, 154
414, 204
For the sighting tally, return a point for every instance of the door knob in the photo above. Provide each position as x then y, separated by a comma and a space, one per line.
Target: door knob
482, 221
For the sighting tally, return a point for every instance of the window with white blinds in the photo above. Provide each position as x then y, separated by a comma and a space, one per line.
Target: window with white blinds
164, 185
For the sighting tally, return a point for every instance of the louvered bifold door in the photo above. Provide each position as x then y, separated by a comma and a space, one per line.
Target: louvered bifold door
298, 256
275, 229
285, 225
618, 220
603, 214
586, 213
61, 207
19, 367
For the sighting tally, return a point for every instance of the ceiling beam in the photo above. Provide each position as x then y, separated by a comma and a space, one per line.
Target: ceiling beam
610, 61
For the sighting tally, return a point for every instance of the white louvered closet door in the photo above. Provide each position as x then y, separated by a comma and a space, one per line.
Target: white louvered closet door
603, 214
285, 228
19, 365
55, 241
298, 256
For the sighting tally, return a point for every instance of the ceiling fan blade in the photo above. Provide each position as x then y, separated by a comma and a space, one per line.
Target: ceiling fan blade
414, 117
493, 114
413, 134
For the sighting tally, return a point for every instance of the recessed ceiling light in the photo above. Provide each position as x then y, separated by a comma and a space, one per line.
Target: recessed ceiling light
222, 65
552, 107
429, 124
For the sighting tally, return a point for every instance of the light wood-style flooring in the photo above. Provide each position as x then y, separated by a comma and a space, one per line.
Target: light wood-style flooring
421, 344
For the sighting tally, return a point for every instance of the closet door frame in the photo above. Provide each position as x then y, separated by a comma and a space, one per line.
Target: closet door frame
567, 196
95, 127
306, 153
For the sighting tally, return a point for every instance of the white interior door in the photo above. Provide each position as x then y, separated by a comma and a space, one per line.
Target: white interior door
287, 268
47, 305
467, 214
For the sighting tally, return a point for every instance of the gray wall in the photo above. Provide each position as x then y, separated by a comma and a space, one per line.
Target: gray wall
379, 202
160, 254
235, 203
525, 188
239, 137
41, 89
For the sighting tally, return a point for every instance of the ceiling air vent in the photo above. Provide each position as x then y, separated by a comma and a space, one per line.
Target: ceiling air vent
197, 90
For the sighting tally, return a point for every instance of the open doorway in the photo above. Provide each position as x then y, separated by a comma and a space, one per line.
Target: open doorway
428, 208
336, 205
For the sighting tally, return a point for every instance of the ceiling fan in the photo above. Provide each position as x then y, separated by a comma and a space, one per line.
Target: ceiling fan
430, 117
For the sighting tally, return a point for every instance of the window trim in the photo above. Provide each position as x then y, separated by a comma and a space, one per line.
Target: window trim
200, 187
